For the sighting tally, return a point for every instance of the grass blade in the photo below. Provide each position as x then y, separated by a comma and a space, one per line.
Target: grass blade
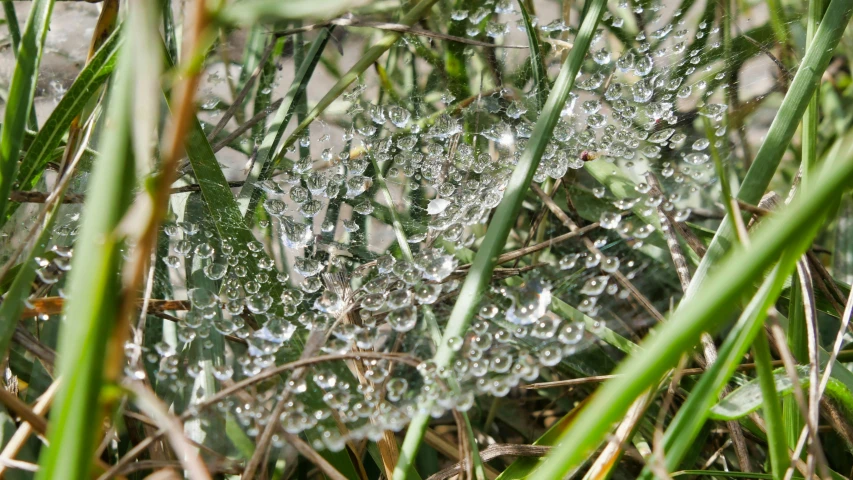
220, 202
15, 37
696, 315
88, 81
540, 76
776, 437
797, 330
484, 262
21, 92
749, 397
688, 422
93, 302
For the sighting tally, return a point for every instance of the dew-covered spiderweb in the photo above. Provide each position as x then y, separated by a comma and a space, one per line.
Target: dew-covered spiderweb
366, 226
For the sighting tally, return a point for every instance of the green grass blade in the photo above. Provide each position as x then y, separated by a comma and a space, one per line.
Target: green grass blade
12, 25
781, 130
745, 399
698, 314
503, 219
169, 34
749, 397
796, 332
256, 43
220, 202
15, 37
87, 83
797, 342
778, 21
265, 83
540, 76
687, 423
21, 92
776, 437
810, 119
365, 62
726, 474
399, 232
249, 195
458, 80
92, 306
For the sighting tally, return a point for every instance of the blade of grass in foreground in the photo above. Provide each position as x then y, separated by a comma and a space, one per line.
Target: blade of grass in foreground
688, 422
504, 217
21, 92
781, 130
697, 314
92, 302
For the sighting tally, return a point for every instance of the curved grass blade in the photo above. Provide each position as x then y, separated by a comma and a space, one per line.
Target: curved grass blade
21, 92
748, 397
688, 422
698, 314
49, 137
249, 196
505, 215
